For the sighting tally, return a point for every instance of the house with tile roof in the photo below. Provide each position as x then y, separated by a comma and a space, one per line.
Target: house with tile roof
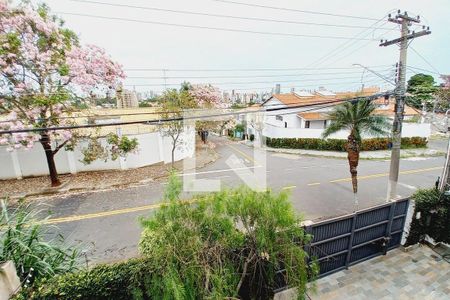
305, 113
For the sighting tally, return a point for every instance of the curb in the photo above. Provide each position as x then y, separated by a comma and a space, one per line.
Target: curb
60, 190
343, 155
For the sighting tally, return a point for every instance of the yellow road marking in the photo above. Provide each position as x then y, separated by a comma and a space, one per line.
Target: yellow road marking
386, 174
289, 187
106, 213
242, 153
154, 206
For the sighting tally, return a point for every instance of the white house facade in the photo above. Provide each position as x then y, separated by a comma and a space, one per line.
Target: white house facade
305, 114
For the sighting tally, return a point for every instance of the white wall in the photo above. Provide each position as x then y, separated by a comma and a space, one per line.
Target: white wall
316, 124
409, 130
152, 149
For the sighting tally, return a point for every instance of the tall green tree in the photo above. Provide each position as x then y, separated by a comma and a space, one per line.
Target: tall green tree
359, 119
422, 89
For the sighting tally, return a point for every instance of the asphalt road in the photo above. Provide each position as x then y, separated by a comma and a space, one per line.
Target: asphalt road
106, 223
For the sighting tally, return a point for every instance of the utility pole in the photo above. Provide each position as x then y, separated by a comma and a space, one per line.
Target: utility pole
445, 179
405, 21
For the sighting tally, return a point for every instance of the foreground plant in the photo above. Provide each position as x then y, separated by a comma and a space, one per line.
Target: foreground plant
26, 242
227, 244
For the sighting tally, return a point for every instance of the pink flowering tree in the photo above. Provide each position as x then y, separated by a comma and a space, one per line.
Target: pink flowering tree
207, 96
42, 68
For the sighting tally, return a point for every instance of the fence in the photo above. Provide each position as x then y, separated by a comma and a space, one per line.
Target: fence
344, 241
153, 148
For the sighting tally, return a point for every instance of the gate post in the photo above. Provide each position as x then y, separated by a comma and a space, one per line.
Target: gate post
350, 242
389, 226
307, 248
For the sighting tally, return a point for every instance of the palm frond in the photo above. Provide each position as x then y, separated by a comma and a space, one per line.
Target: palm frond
357, 117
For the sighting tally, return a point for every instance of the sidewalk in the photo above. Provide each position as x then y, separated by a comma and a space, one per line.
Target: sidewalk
382, 154
417, 274
98, 180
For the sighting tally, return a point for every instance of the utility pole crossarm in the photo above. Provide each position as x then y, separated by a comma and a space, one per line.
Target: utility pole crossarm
408, 37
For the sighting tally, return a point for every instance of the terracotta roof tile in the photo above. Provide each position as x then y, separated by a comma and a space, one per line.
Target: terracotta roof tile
389, 111
313, 116
294, 99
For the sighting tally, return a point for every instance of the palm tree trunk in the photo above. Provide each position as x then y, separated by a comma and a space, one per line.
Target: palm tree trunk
352, 148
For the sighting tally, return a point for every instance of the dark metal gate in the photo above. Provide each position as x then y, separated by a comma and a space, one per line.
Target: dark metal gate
344, 241
341, 242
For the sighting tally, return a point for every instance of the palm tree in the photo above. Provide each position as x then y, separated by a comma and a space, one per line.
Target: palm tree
359, 119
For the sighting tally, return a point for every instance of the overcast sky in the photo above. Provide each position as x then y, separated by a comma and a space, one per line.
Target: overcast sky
153, 46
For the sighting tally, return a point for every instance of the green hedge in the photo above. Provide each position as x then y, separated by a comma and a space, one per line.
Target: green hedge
339, 145
434, 208
122, 281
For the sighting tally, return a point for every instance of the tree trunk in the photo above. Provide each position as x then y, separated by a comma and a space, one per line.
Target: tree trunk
45, 142
352, 148
173, 156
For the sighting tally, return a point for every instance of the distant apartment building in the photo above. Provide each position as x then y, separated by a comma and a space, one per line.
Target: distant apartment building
245, 97
127, 99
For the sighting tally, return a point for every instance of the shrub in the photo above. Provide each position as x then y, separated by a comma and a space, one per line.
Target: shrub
239, 128
339, 144
433, 206
228, 244
225, 245
26, 242
122, 281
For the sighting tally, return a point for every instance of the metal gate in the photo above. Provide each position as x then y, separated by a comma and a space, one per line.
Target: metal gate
344, 241
341, 242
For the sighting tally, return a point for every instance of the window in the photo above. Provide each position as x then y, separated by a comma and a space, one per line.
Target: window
279, 118
324, 123
285, 124
307, 124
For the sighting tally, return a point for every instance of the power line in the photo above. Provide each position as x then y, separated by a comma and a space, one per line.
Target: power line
247, 69
166, 120
240, 83
425, 60
211, 28
297, 10
350, 42
221, 16
243, 76
357, 49
252, 82
425, 70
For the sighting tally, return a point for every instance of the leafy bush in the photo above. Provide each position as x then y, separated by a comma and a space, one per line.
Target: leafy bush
22, 241
339, 145
122, 281
228, 244
239, 128
116, 147
433, 206
223, 245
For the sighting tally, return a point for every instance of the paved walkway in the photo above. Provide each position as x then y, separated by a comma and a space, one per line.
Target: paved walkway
417, 274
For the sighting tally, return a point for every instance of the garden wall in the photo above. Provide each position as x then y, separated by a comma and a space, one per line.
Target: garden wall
153, 148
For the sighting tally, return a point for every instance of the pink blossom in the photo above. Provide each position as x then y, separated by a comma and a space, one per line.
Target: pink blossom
207, 95
90, 69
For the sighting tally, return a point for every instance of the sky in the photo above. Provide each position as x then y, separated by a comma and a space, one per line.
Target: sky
218, 56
